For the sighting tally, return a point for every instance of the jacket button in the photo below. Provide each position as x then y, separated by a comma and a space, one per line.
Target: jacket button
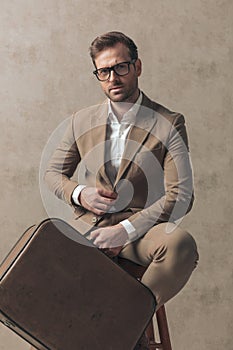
94, 219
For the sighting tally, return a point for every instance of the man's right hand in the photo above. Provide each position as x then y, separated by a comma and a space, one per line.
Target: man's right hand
97, 200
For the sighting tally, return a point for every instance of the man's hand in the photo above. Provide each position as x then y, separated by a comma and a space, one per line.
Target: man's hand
110, 239
97, 200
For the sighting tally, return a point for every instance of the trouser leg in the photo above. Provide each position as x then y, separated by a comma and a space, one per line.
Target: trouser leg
170, 259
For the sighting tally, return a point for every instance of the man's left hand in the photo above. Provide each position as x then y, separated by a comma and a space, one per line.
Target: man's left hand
110, 239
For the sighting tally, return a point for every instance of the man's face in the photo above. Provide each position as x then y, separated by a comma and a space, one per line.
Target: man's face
119, 88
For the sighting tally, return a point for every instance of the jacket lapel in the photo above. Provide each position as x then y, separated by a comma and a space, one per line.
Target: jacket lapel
98, 135
145, 121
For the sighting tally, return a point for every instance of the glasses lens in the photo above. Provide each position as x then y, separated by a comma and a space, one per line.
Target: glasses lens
122, 69
103, 73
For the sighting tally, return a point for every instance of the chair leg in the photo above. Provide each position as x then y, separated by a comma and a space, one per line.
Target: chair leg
150, 335
163, 328
164, 342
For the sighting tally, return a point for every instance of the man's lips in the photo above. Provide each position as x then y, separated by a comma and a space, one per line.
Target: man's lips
118, 87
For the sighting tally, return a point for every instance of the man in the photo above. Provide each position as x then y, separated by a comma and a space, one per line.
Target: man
134, 178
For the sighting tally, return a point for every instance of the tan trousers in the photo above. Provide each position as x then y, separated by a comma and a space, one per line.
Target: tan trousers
170, 259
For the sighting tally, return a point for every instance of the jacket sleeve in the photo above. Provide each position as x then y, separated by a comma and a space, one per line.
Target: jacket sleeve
62, 166
178, 183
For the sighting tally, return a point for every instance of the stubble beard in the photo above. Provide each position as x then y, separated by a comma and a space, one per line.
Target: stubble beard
124, 96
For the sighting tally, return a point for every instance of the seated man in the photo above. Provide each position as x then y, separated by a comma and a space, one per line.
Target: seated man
134, 178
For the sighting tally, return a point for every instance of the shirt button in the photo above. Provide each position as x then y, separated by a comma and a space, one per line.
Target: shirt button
94, 219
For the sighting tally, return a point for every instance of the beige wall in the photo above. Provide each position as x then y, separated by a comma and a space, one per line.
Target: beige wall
187, 53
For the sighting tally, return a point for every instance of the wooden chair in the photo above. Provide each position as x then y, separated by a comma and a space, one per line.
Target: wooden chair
164, 342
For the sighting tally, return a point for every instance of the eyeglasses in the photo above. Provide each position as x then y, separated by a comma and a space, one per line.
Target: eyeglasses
121, 69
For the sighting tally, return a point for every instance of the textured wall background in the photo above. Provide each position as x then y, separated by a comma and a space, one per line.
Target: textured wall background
187, 53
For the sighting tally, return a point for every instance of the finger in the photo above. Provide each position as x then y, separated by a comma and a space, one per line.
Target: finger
97, 211
109, 253
100, 243
94, 234
100, 208
106, 193
103, 206
106, 201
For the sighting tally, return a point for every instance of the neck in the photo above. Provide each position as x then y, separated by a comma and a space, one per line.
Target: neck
120, 108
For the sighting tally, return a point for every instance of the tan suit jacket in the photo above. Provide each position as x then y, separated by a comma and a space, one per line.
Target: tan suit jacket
154, 181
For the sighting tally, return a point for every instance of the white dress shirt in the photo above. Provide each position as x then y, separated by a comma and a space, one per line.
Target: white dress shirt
117, 132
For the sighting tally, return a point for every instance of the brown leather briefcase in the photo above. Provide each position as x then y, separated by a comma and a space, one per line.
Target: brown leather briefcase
59, 292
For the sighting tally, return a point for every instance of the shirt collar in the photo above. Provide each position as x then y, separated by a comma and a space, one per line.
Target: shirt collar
129, 116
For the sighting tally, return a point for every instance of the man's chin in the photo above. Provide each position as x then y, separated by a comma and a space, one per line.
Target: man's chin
117, 97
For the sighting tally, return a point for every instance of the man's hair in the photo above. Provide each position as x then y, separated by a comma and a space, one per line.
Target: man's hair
110, 39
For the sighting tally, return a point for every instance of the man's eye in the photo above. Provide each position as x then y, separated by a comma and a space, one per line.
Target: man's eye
103, 71
121, 66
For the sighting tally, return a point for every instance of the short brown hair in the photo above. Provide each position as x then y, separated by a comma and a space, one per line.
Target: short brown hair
110, 39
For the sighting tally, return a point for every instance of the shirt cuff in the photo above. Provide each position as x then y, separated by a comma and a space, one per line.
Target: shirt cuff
76, 193
129, 229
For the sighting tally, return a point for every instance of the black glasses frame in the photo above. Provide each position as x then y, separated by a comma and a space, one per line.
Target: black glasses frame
96, 72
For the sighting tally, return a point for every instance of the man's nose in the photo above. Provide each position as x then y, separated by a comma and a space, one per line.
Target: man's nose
113, 76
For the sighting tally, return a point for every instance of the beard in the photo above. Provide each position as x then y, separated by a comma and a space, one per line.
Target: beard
118, 92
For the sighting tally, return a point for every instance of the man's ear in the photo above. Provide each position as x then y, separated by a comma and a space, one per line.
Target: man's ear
138, 67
